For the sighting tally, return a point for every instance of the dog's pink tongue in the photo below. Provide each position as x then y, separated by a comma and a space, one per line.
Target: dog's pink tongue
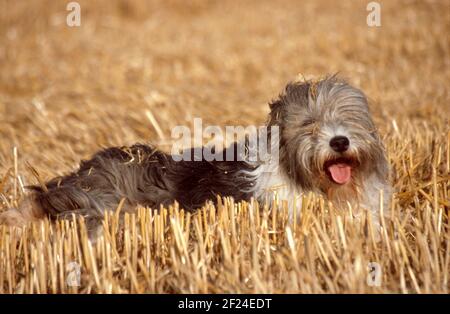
340, 173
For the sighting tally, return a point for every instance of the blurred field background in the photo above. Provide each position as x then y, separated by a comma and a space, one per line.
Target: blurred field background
135, 69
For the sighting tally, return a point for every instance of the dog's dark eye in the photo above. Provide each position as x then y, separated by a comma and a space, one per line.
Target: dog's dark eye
308, 122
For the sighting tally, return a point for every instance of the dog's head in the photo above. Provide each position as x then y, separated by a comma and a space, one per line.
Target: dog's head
328, 141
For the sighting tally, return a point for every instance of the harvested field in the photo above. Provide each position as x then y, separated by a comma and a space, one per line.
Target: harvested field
134, 70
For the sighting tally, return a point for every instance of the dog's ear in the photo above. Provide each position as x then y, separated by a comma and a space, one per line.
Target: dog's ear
276, 108
298, 92
276, 104
294, 93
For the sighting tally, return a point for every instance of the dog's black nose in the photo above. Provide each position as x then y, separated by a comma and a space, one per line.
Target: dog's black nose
339, 143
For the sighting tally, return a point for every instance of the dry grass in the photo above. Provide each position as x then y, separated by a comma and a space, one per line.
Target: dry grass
131, 66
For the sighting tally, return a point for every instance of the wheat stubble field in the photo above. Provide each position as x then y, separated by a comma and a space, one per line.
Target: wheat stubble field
133, 70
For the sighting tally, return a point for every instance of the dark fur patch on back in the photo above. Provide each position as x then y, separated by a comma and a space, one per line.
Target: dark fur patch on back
143, 176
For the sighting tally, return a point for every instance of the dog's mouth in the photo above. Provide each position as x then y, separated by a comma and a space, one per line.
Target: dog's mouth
340, 170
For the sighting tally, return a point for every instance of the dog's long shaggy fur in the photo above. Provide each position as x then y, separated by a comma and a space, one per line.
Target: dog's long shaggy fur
323, 125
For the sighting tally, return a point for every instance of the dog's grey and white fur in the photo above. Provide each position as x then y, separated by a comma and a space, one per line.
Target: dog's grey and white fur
328, 145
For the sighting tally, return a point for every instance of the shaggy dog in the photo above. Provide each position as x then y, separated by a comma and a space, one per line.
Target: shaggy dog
328, 144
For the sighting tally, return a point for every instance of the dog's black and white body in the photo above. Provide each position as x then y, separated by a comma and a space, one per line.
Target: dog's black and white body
328, 145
